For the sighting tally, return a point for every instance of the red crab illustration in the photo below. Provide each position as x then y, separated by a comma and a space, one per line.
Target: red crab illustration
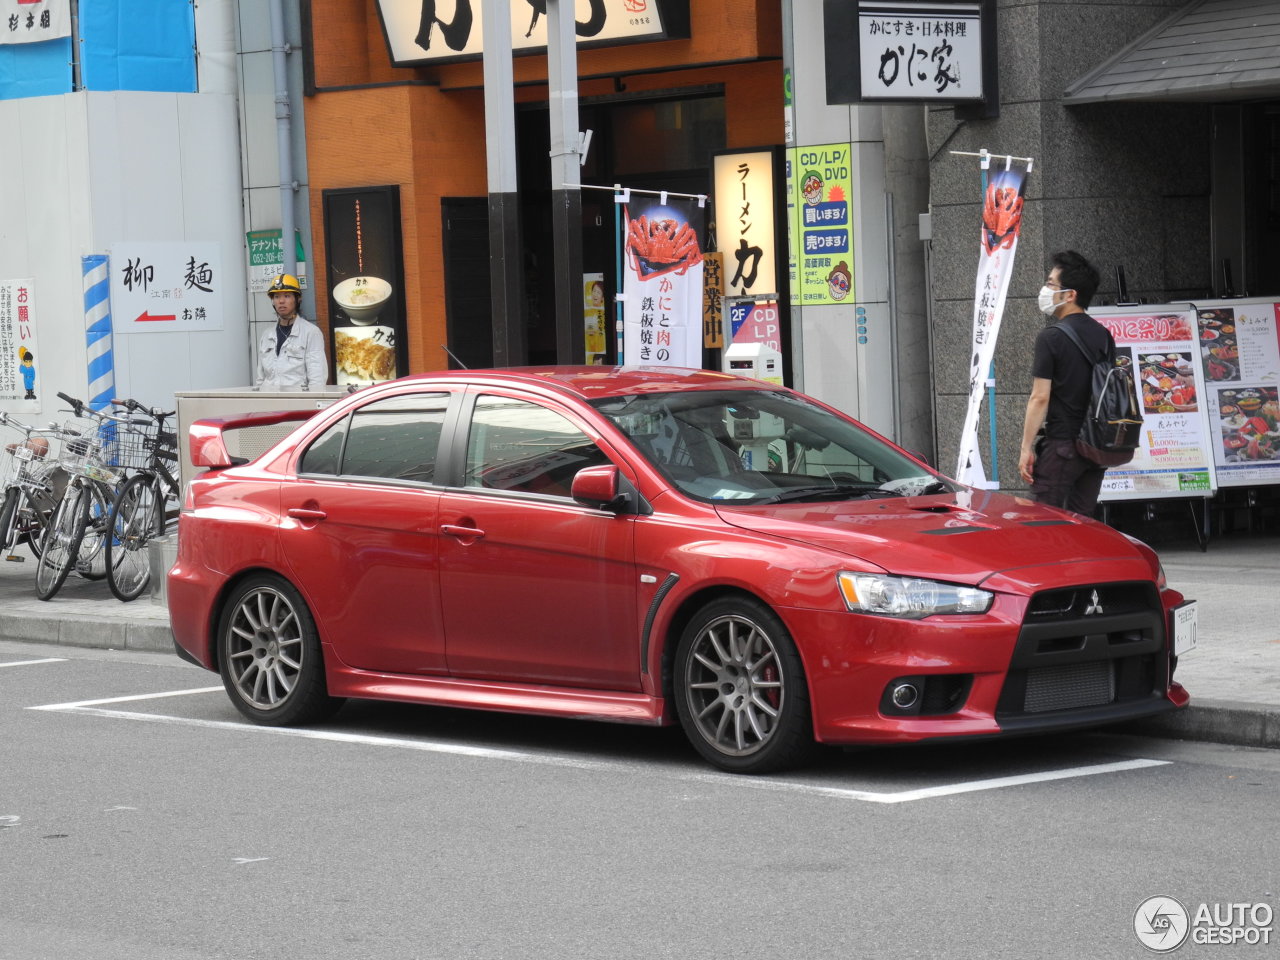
1001, 217
662, 246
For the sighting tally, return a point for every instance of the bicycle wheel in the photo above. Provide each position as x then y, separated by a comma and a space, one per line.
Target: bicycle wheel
91, 561
135, 519
25, 525
62, 540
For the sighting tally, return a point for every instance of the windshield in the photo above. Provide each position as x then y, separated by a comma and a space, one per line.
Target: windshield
762, 446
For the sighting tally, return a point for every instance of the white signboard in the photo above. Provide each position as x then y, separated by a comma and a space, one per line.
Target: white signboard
31, 21
19, 379
1175, 458
163, 287
920, 51
418, 32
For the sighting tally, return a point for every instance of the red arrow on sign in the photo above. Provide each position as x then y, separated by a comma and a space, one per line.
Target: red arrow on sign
145, 317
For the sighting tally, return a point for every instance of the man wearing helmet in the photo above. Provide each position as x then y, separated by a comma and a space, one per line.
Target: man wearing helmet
290, 355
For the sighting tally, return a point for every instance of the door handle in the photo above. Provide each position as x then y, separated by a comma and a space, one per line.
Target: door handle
302, 513
462, 533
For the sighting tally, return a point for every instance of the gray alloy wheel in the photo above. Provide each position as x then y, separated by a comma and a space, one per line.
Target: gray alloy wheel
740, 690
269, 654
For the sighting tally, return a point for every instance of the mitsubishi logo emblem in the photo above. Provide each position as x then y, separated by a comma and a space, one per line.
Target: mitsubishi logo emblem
1095, 606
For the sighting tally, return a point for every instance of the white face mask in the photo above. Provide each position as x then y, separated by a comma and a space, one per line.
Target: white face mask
1045, 300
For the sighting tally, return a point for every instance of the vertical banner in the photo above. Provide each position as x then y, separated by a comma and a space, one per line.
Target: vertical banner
663, 282
713, 301
95, 271
1001, 223
593, 317
18, 353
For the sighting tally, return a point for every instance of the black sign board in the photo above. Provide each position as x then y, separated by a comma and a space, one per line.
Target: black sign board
367, 339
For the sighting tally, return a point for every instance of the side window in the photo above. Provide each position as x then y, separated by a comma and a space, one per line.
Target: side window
325, 453
515, 445
397, 438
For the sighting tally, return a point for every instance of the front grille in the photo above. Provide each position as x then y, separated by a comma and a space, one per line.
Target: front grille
1070, 686
1086, 648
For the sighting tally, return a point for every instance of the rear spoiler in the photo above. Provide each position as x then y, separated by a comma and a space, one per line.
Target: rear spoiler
207, 444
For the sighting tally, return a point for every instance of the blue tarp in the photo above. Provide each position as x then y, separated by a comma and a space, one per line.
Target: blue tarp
35, 69
125, 45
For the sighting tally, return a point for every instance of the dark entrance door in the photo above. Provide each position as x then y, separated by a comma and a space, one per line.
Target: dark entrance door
468, 318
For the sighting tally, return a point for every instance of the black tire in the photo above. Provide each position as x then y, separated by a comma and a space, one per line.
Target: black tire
8, 513
269, 654
740, 689
134, 521
61, 543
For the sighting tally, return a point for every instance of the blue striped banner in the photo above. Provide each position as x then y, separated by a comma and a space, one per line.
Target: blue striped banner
97, 330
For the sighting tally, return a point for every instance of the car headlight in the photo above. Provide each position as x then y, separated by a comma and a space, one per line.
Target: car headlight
909, 597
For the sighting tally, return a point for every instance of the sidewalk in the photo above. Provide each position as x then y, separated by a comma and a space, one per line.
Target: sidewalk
1233, 677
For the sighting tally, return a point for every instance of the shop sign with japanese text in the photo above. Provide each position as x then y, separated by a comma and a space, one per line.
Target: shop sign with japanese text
419, 32
32, 21
266, 258
820, 191
166, 287
745, 229
920, 51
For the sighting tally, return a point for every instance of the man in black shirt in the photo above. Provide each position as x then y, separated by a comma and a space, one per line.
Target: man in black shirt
1060, 389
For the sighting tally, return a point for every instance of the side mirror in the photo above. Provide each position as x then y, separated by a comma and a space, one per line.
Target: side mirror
598, 487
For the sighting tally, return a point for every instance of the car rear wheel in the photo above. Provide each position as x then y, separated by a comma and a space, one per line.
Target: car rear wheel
740, 689
269, 655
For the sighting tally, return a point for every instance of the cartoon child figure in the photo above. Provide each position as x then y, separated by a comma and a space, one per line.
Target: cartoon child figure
839, 281
28, 370
811, 187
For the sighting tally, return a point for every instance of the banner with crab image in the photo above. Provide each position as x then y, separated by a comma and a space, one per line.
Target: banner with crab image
662, 282
1003, 192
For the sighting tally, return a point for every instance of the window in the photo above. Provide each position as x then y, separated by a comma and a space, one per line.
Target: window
520, 446
396, 439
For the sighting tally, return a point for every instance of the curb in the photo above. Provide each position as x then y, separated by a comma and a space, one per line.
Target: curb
95, 633
1231, 722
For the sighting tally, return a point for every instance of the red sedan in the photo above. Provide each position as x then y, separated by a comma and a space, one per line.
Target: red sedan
654, 546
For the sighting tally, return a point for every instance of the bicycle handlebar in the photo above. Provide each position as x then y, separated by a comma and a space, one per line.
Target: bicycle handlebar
154, 412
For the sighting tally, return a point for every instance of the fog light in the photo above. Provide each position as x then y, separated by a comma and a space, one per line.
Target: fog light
905, 696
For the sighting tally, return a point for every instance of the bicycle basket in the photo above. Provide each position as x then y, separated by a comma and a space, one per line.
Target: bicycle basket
82, 443
128, 445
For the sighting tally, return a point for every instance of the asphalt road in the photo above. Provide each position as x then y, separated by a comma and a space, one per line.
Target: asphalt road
140, 818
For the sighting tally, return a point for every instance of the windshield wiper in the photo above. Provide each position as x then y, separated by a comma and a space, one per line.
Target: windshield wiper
839, 491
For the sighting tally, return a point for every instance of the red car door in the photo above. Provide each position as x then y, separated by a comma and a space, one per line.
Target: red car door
535, 587
359, 527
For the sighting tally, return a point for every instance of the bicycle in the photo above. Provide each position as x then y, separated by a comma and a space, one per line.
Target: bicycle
145, 503
32, 483
77, 530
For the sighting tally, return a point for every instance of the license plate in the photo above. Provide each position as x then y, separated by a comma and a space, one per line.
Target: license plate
1184, 628
23, 452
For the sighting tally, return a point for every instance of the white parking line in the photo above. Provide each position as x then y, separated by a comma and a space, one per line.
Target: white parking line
94, 708
27, 663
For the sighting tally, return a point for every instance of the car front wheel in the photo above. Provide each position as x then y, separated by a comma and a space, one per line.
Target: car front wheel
269, 655
740, 690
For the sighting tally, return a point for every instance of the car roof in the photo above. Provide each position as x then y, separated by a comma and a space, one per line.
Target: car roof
597, 382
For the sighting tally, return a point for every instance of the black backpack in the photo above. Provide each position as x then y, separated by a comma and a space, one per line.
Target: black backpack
1112, 424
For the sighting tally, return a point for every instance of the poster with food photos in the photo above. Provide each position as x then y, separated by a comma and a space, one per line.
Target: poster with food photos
1174, 458
1239, 352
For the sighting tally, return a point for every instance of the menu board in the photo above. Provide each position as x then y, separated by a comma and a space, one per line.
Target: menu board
1174, 458
1239, 343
